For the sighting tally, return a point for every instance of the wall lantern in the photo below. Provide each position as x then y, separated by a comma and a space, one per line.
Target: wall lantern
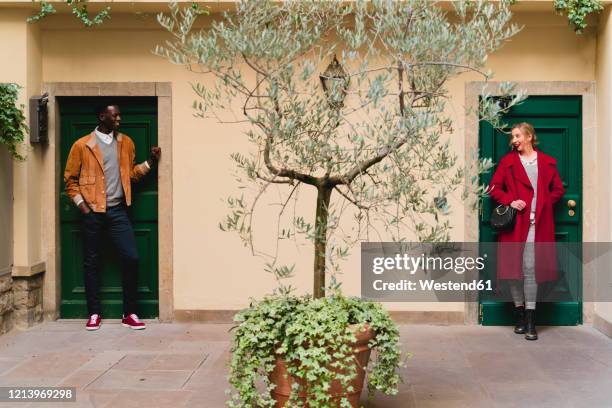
335, 83
39, 119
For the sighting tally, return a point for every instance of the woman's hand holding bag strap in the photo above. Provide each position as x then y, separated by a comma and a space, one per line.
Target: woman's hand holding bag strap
503, 217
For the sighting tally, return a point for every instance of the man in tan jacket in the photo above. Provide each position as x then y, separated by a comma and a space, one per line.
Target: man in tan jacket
99, 172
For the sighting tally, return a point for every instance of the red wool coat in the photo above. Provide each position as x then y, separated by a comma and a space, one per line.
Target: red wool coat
510, 182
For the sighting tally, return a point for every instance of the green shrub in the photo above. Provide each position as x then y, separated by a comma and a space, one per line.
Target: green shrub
12, 119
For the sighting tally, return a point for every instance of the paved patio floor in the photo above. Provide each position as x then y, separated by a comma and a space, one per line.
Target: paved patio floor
183, 365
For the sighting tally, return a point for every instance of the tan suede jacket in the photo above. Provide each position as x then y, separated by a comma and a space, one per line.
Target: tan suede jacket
84, 174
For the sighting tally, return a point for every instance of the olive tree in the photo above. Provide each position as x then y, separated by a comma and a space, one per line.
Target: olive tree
370, 131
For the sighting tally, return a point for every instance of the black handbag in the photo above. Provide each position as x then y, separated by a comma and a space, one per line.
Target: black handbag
503, 218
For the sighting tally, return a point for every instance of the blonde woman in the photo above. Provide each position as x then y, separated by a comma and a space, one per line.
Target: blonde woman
527, 180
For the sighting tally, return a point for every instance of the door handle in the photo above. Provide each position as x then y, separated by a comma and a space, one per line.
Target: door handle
571, 204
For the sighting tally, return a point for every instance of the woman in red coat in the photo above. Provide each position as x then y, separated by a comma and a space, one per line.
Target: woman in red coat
528, 180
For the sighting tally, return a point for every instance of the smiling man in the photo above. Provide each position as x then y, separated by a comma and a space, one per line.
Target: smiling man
99, 172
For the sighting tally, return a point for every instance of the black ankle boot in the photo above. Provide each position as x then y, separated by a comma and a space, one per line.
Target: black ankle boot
531, 333
519, 319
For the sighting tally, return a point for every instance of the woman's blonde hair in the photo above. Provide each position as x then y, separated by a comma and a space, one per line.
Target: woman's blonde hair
525, 127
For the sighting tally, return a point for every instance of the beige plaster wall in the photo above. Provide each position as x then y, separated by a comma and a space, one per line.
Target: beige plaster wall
6, 163
212, 270
604, 106
20, 44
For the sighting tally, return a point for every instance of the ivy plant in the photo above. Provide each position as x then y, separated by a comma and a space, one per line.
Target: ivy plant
577, 11
12, 119
309, 332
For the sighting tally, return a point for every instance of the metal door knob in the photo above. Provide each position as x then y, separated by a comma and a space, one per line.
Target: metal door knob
571, 203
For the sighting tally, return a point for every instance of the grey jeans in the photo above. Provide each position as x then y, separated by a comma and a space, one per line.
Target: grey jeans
526, 290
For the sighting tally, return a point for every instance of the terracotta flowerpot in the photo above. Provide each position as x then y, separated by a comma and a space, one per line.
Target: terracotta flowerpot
283, 381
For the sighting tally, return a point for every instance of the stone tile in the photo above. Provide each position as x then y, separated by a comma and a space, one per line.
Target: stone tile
595, 393
104, 360
442, 376
206, 332
585, 336
8, 364
48, 365
189, 346
222, 362
158, 399
504, 367
601, 355
98, 398
480, 338
27, 343
536, 393
31, 381
145, 379
209, 398
177, 361
460, 389
98, 341
81, 378
141, 340
427, 335
115, 379
135, 361
570, 362
455, 403
427, 357
168, 329
436, 387
213, 369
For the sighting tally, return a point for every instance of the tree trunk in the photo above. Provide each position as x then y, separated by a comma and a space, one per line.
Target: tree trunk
320, 243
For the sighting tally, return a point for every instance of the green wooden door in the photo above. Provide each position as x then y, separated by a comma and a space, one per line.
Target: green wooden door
139, 122
558, 124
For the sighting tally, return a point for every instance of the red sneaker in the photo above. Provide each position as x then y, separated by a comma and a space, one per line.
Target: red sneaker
132, 322
94, 322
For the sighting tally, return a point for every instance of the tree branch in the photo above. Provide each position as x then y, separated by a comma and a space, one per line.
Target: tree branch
273, 180
288, 173
360, 206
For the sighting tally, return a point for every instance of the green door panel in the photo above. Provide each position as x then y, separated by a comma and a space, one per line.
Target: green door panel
558, 124
139, 122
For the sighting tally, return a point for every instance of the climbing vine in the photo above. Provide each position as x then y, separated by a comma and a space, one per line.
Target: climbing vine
577, 11
79, 9
12, 119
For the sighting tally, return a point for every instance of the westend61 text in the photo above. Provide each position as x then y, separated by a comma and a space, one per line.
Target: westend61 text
412, 264
429, 285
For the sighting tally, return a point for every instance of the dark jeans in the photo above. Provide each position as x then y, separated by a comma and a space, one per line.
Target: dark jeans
115, 221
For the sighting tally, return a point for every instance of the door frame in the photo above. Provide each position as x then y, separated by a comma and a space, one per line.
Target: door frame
51, 169
473, 90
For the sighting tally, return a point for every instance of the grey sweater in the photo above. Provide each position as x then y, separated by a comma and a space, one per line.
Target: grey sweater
531, 167
112, 175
